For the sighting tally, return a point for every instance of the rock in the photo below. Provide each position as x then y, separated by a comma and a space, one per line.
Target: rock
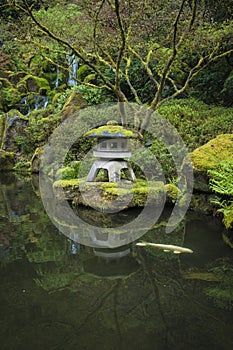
12, 131
83, 71
208, 157
36, 159
214, 152
16, 77
109, 195
7, 160
73, 104
172, 192
36, 84
2, 129
202, 202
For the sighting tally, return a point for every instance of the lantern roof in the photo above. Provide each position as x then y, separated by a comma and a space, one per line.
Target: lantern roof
112, 130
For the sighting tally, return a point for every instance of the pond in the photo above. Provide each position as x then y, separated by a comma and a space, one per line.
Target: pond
58, 294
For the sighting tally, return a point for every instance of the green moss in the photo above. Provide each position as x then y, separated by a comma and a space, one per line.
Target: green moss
2, 129
15, 113
56, 97
90, 78
228, 216
83, 71
67, 173
107, 185
10, 97
210, 155
71, 183
7, 160
36, 159
172, 191
135, 194
111, 131
36, 84
22, 166
116, 191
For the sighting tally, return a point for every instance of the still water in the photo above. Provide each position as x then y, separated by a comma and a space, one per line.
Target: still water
57, 294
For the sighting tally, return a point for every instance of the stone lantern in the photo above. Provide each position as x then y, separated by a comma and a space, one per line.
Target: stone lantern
113, 146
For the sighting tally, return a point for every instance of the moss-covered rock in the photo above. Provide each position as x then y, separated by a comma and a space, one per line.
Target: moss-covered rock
36, 159
12, 131
83, 72
109, 195
7, 160
2, 129
73, 104
210, 156
36, 84
172, 192
214, 152
15, 78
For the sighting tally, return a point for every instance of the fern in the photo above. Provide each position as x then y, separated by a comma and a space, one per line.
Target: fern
221, 182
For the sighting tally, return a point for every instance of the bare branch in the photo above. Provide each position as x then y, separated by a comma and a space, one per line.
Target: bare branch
133, 90
123, 42
65, 43
195, 71
145, 64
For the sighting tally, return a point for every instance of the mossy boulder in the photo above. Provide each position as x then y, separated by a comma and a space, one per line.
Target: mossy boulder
210, 156
83, 72
73, 104
172, 192
13, 131
214, 152
36, 84
7, 160
109, 195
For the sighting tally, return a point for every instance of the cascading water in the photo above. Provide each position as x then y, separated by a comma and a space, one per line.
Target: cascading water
57, 77
35, 102
73, 66
41, 102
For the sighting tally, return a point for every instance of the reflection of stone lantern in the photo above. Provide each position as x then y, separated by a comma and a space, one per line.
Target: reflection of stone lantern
112, 148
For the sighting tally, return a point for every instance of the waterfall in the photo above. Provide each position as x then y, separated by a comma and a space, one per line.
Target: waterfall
35, 102
73, 66
41, 102
57, 77
25, 108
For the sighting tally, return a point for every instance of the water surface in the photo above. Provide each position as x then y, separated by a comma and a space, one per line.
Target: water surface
57, 294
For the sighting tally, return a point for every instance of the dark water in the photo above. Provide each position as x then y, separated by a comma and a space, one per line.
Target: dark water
56, 294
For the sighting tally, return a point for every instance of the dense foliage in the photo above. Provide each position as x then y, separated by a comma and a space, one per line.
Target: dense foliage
169, 49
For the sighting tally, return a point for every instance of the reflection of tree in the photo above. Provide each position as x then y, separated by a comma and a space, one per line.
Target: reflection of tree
50, 294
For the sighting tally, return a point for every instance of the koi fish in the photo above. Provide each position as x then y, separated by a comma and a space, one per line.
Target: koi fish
165, 247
